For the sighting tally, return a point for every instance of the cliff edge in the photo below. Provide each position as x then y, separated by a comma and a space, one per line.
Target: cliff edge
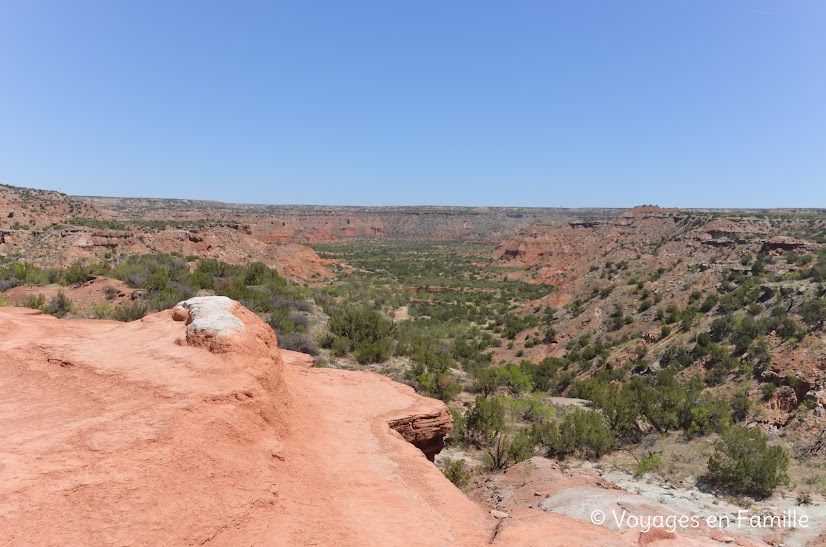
188, 428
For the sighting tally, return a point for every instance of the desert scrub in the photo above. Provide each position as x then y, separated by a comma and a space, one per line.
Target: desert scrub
35, 301
648, 463
59, 305
582, 432
744, 463
101, 310
130, 311
430, 367
457, 472
368, 332
508, 449
296, 341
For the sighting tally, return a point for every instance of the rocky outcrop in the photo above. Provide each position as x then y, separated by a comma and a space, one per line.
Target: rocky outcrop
784, 400
576, 493
212, 322
426, 426
37, 209
187, 428
114, 422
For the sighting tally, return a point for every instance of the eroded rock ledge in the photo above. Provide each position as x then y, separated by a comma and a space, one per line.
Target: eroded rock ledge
160, 432
425, 426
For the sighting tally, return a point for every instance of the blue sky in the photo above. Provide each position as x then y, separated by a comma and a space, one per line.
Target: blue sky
692, 103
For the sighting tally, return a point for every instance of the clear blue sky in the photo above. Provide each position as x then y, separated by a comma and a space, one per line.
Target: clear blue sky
693, 103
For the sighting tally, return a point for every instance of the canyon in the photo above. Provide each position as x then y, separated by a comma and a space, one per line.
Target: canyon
194, 425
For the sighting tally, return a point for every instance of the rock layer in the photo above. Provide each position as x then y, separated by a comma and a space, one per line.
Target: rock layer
425, 426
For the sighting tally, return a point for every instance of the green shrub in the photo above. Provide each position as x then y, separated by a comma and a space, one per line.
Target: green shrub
744, 463
709, 303
740, 405
509, 449
34, 301
430, 367
459, 433
813, 312
367, 330
373, 351
660, 399
101, 310
514, 378
59, 305
130, 311
457, 472
486, 381
77, 273
340, 346
544, 373
485, 420
805, 499
648, 463
703, 413
582, 432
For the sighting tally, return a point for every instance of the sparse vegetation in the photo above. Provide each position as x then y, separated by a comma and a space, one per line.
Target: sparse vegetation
657, 345
744, 463
457, 472
59, 305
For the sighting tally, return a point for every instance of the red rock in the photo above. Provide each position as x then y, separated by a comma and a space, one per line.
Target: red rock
424, 426
116, 434
784, 399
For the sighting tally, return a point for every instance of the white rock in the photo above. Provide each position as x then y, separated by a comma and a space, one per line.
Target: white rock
211, 315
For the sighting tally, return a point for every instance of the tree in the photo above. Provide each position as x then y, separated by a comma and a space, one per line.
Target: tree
660, 400
813, 312
744, 463
485, 420
369, 332
430, 368
486, 381
543, 373
617, 407
507, 450
581, 432
514, 378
